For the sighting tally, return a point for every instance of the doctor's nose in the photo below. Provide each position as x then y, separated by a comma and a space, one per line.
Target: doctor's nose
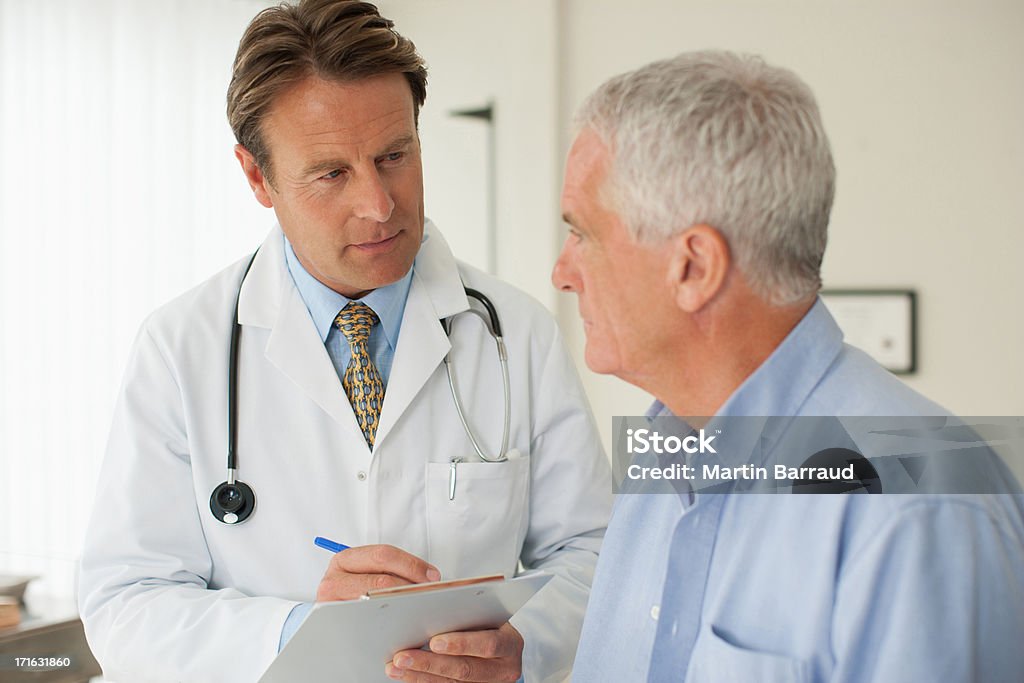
372, 199
565, 276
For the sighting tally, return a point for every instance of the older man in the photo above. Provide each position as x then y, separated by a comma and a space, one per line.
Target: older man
697, 194
198, 566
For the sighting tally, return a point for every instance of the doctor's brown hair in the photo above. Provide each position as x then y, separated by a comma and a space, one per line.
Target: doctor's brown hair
337, 40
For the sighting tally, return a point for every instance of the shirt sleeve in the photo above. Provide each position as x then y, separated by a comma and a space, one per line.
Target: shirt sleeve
936, 594
293, 622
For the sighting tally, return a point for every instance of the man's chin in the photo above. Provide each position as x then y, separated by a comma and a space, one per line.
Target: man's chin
381, 278
598, 362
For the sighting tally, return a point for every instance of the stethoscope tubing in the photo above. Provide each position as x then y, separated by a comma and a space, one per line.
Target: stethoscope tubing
233, 380
494, 328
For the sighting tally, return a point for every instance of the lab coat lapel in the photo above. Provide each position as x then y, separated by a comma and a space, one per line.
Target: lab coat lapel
269, 299
436, 292
296, 350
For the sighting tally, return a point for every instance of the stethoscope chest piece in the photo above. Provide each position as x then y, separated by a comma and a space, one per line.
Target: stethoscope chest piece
232, 503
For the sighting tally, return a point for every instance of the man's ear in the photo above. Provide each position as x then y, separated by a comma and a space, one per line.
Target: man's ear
698, 266
259, 184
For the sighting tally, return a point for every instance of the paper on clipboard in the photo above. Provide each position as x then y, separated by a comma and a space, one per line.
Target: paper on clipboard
353, 640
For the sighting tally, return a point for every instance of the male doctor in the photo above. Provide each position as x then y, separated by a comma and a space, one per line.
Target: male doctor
346, 425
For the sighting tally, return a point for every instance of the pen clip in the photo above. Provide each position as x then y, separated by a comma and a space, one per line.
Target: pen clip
451, 477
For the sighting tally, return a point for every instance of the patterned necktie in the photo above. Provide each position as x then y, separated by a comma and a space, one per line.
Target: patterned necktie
362, 382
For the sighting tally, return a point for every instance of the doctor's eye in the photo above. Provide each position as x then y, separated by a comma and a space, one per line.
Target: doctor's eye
393, 156
332, 175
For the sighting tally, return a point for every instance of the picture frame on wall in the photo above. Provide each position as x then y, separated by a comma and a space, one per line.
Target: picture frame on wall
880, 322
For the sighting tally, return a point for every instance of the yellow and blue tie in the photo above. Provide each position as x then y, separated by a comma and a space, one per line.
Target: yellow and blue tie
362, 382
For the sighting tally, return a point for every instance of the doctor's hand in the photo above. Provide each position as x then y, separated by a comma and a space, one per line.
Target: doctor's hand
479, 656
355, 571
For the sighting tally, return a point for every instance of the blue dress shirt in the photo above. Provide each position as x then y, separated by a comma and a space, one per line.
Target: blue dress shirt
324, 304
838, 588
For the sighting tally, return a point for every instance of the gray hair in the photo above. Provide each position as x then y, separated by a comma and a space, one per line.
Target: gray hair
728, 141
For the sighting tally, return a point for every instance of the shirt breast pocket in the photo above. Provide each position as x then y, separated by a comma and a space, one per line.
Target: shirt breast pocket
481, 529
719, 659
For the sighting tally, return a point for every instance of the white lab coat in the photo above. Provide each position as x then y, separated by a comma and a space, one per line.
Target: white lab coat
170, 594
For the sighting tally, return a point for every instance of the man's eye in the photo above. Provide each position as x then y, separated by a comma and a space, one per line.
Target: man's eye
395, 156
332, 175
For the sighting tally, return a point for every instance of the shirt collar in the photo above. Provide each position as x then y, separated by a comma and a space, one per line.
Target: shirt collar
324, 304
782, 384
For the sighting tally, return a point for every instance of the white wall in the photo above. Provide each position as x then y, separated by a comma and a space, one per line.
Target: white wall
476, 52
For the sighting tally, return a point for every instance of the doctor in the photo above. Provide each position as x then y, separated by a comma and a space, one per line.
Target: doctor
342, 305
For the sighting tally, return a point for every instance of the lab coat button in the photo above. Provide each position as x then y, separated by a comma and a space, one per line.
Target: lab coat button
655, 611
361, 476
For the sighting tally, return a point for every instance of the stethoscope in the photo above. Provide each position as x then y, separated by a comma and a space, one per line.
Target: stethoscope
233, 501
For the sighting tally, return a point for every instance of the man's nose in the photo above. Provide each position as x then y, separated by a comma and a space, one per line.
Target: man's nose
564, 275
372, 198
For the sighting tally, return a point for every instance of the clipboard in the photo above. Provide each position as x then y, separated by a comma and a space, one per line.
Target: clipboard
354, 639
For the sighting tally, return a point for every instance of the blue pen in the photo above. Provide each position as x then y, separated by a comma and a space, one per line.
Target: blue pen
328, 544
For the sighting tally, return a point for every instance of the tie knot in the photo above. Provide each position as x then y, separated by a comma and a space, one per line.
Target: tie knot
355, 321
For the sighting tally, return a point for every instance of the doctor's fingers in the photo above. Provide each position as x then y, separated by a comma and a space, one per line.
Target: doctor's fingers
353, 572
491, 643
384, 559
490, 655
345, 586
427, 667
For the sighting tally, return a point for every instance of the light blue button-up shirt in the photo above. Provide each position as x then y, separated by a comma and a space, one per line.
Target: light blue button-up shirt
324, 304
759, 587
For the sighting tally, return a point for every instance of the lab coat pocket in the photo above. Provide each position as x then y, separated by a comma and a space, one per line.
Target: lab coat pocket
718, 658
481, 529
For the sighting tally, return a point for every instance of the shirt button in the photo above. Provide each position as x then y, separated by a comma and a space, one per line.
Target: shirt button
361, 476
655, 611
